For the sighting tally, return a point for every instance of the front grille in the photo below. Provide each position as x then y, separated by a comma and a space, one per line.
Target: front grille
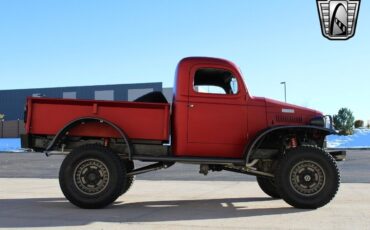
285, 118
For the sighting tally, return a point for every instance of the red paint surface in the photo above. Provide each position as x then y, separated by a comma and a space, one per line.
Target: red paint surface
138, 120
214, 126
221, 125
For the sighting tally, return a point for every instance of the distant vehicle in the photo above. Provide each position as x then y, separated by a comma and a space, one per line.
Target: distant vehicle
213, 122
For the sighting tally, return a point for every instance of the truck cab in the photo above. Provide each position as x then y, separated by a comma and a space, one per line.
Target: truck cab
215, 116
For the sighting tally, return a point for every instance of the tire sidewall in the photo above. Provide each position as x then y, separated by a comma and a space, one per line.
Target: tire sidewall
268, 186
284, 185
117, 175
129, 179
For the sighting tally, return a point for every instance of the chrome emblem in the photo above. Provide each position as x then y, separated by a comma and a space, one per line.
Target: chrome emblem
338, 18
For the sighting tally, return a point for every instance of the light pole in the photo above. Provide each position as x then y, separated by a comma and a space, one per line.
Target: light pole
284, 83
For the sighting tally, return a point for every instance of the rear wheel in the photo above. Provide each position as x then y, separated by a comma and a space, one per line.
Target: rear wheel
129, 179
92, 176
268, 186
307, 177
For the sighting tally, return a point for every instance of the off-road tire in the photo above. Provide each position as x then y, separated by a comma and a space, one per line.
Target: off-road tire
268, 186
307, 177
102, 168
129, 179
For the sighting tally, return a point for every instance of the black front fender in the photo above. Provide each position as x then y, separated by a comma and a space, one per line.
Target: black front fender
260, 136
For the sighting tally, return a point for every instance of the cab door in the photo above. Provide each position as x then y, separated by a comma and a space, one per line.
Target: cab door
216, 113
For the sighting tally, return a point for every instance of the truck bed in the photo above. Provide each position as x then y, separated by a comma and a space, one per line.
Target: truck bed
140, 121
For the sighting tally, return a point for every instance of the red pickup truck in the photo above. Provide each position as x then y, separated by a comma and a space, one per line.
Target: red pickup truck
213, 122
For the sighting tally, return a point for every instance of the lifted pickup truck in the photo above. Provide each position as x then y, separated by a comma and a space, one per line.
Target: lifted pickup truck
213, 122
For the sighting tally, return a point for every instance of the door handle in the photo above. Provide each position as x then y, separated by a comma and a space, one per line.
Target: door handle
191, 106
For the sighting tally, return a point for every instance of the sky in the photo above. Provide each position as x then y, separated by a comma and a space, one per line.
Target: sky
70, 43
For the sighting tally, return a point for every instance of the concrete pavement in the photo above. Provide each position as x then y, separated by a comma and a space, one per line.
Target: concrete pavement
35, 203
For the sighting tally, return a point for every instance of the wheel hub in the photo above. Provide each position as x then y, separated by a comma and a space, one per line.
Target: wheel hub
91, 176
307, 178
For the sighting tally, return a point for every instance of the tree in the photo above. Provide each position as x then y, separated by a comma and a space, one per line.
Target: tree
344, 121
359, 124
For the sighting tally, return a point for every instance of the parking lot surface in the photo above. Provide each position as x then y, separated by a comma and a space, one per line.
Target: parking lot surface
176, 198
35, 203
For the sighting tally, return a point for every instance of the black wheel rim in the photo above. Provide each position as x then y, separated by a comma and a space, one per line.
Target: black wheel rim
307, 178
91, 176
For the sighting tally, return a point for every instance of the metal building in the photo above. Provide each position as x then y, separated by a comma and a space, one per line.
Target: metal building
12, 101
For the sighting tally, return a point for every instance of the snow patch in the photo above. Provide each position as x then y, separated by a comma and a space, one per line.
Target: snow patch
359, 139
10, 144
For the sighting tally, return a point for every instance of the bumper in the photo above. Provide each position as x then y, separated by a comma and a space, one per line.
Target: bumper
338, 155
324, 122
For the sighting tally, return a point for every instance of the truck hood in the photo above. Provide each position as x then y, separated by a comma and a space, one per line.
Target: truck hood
281, 113
279, 106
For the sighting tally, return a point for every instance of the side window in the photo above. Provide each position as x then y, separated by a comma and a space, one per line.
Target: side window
215, 81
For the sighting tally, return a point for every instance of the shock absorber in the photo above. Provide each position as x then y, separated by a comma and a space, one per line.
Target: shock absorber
293, 142
106, 142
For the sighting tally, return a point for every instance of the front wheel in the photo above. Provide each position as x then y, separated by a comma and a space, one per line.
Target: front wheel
307, 177
268, 186
92, 176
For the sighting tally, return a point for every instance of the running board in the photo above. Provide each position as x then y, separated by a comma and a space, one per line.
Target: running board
194, 160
